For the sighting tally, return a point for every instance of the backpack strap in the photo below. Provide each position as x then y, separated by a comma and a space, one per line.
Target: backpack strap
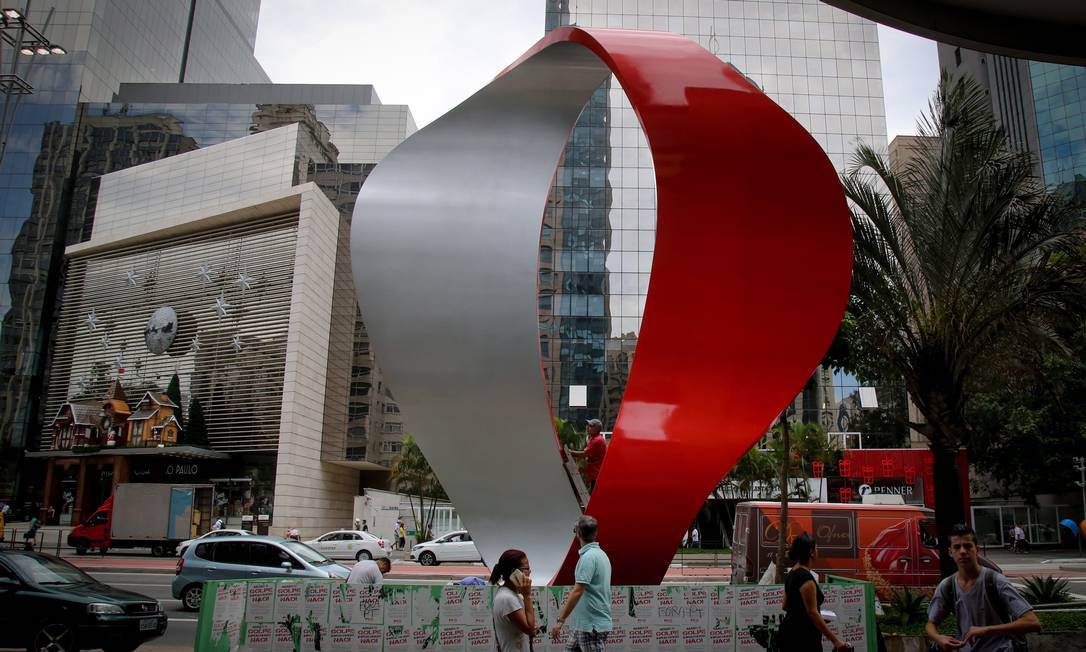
949, 594
994, 598
1018, 642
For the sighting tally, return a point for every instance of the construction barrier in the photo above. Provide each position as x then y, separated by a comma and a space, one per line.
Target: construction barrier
333, 616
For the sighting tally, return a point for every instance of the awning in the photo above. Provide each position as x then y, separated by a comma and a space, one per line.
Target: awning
185, 452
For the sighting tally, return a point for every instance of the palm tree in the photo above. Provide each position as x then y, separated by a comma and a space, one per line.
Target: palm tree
411, 473
957, 254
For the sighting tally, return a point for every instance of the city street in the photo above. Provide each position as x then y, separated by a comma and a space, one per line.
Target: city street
152, 576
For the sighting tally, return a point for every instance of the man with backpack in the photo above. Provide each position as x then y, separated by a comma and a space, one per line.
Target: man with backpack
992, 616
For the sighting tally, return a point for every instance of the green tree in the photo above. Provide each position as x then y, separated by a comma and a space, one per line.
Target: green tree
1030, 420
568, 435
412, 475
955, 254
760, 467
174, 394
195, 434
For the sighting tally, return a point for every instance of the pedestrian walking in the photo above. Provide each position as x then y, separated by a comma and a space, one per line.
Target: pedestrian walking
368, 571
358, 524
513, 611
695, 537
1019, 545
803, 626
365, 526
588, 606
31, 535
992, 616
218, 524
401, 535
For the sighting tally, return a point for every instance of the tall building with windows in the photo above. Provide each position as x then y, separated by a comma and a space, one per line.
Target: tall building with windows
233, 364
1042, 107
819, 63
108, 42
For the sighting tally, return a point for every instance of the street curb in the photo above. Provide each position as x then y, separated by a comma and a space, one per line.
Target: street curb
1075, 568
119, 569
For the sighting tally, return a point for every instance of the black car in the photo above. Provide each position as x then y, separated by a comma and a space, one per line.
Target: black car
46, 604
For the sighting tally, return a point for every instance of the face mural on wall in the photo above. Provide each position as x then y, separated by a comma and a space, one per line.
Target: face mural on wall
445, 247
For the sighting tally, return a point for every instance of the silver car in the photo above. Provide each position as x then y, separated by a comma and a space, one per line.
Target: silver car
247, 557
214, 534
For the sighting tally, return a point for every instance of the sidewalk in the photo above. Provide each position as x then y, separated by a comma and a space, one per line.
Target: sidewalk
400, 570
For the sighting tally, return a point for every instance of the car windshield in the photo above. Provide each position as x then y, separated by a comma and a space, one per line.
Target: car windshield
307, 554
44, 570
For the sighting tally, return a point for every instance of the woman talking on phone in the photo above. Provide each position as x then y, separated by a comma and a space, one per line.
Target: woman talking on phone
514, 613
803, 626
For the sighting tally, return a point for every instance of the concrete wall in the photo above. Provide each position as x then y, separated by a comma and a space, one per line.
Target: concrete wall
310, 495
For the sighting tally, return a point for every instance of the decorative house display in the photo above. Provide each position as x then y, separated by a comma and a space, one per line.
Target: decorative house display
154, 422
76, 424
111, 423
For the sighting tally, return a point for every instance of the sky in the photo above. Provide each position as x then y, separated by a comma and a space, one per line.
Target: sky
433, 54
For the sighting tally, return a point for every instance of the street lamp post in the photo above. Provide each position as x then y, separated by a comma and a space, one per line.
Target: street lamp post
27, 40
1080, 466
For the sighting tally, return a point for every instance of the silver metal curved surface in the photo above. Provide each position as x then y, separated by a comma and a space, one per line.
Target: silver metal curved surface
445, 246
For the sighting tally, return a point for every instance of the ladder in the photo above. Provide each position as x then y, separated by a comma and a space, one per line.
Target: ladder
575, 479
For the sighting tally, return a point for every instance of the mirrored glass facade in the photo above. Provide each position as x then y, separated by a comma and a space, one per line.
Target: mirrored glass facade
342, 146
817, 62
1059, 96
108, 42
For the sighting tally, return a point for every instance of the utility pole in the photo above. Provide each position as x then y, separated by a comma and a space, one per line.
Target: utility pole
1080, 466
782, 530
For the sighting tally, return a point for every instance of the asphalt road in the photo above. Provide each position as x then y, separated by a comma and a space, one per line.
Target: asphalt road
181, 632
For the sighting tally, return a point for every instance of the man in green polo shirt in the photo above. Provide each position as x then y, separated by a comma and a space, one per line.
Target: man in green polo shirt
589, 603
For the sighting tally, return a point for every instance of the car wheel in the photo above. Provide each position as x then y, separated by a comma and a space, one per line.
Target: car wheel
158, 550
82, 546
54, 637
191, 597
363, 554
428, 559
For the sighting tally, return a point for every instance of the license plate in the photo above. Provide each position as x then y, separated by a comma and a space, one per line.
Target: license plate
148, 624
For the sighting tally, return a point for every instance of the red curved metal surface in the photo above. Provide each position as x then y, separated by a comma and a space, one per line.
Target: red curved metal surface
750, 277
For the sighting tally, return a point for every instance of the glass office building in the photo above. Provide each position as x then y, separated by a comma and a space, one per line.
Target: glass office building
819, 63
108, 42
1041, 106
1059, 100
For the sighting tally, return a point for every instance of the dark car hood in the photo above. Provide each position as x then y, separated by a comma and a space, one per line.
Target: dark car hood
96, 592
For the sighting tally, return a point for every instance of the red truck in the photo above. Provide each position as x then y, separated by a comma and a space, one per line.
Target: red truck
890, 545
155, 516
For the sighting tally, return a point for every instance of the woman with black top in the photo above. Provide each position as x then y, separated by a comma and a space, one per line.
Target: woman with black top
803, 627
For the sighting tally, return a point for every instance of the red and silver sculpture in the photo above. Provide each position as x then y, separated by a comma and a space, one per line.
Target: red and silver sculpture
749, 280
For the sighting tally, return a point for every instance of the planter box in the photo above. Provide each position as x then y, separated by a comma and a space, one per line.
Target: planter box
1043, 642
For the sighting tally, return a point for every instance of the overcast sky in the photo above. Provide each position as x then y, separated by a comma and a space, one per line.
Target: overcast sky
432, 54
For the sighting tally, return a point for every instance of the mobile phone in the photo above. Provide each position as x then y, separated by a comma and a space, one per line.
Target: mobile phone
517, 578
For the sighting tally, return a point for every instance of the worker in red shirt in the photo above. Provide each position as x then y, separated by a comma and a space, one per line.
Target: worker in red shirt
593, 452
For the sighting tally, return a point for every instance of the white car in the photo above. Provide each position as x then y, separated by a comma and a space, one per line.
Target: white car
454, 546
210, 535
350, 544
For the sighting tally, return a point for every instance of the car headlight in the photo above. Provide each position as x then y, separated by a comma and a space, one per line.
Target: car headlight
103, 609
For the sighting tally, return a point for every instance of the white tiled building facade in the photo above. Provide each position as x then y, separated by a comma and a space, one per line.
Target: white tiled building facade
183, 232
